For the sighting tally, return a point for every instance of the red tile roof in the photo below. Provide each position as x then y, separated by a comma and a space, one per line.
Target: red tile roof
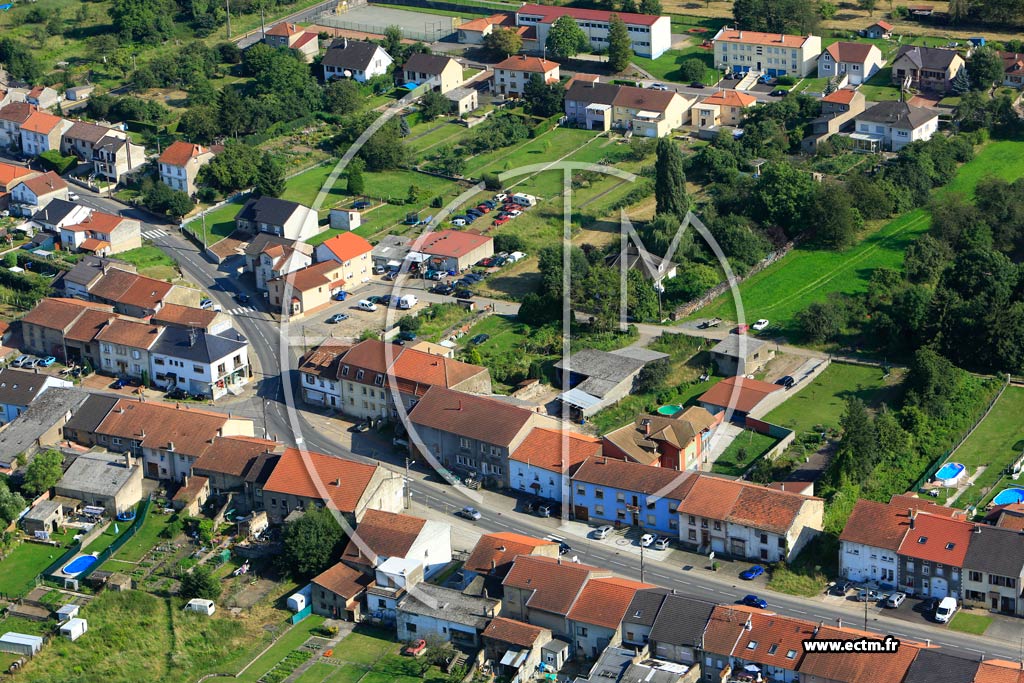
347, 246
603, 602
937, 539
384, 534
130, 333
9, 172
885, 25
475, 417
343, 481
500, 19
41, 122
284, 29
191, 489
88, 324
495, 550
999, 671
343, 580
130, 289
730, 98
44, 184
841, 96
631, 476
452, 243
850, 52
529, 64
730, 35
740, 502
513, 632
158, 426
93, 244
543, 448
859, 666
771, 640
232, 455
56, 313
97, 221
311, 277
179, 153
17, 112
554, 585
550, 14
184, 316
748, 393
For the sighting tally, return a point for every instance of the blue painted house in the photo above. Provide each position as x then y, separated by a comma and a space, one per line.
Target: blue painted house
631, 494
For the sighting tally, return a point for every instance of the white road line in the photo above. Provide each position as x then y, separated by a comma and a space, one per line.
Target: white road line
797, 611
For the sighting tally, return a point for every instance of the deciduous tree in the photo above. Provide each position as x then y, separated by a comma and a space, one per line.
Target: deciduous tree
200, 583
311, 543
565, 38
270, 180
44, 471
620, 50
504, 42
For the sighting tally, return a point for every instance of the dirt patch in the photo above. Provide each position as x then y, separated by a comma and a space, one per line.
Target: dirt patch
228, 247
250, 592
922, 101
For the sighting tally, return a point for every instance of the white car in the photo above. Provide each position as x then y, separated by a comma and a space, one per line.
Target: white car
657, 86
73, 197
661, 543
365, 305
646, 540
602, 532
760, 324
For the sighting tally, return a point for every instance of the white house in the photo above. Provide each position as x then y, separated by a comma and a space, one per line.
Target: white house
36, 192
19, 388
511, 75
542, 464
775, 54
859, 61
382, 535
649, 35
891, 126
42, 132
355, 59
200, 363
352, 252
179, 165
435, 612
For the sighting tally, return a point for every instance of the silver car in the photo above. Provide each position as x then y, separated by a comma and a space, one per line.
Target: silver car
602, 532
896, 599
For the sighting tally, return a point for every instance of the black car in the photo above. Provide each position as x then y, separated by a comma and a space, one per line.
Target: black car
475, 213
479, 339
779, 92
360, 427
442, 288
564, 548
242, 298
786, 381
697, 84
385, 300
463, 294
473, 277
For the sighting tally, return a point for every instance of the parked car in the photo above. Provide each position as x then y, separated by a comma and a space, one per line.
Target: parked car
72, 196
697, 84
375, 299
602, 531
442, 288
752, 573
469, 512
501, 221
896, 599
500, 197
406, 336
479, 339
21, 361
662, 543
46, 361
760, 324
868, 595
385, 300
486, 262
337, 318
779, 92
365, 305
206, 304
470, 218
657, 86
840, 587
754, 601
785, 381
714, 322
463, 294
490, 204
740, 329
564, 548
459, 221
361, 204
475, 213
646, 540
483, 208
417, 648
944, 612
360, 427
118, 384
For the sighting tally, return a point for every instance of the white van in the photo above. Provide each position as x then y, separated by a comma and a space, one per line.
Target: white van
201, 606
516, 256
407, 302
365, 305
944, 612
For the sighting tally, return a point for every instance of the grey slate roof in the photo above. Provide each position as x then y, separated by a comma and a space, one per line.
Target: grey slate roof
897, 115
429, 64
932, 58
601, 364
91, 267
391, 248
54, 212
20, 387
83, 130
995, 551
91, 413
935, 666
269, 210
198, 345
265, 239
592, 93
611, 665
730, 346
353, 54
451, 605
22, 434
644, 607
681, 620
99, 473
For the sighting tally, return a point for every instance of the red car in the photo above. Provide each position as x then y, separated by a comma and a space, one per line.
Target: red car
417, 648
483, 208
502, 221
740, 329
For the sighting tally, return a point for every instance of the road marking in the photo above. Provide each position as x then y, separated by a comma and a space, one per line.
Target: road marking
241, 309
818, 616
797, 611
707, 588
154, 234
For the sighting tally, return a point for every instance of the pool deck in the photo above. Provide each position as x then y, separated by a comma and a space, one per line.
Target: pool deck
966, 485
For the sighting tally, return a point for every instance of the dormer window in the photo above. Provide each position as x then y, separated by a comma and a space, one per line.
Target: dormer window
922, 540
359, 374
950, 546
379, 380
344, 371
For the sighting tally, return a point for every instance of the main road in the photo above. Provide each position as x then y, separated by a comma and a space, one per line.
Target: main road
222, 282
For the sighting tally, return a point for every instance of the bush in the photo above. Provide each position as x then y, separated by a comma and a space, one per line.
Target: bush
785, 80
53, 160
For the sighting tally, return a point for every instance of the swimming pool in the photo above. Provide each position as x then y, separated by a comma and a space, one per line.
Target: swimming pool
79, 565
1009, 496
949, 474
670, 410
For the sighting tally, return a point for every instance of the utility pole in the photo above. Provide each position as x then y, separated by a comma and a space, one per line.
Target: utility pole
408, 490
263, 20
641, 563
866, 600
227, 11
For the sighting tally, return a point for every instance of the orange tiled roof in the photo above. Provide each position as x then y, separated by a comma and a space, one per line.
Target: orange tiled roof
494, 550
185, 316
232, 455
131, 333
603, 602
543, 448
17, 112
497, 20
841, 96
758, 38
56, 313
770, 640
44, 184
343, 481
730, 98
525, 63
89, 323
9, 172
512, 632
859, 666
384, 534
41, 122
937, 539
748, 393
348, 245
452, 243
552, 584
179, 153
93, 244
999, 671
343, 580
284, 29
158, 425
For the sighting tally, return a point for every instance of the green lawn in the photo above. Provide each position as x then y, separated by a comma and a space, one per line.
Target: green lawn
285, 644
218, 223
996, 443
822, 402
437, 318
25, 562
145, 538
970, 623
752, 443
666, 67
879, 87
151, 262
806, 275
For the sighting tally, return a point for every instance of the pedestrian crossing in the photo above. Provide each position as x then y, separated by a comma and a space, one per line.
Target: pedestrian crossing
241, 309
153, 234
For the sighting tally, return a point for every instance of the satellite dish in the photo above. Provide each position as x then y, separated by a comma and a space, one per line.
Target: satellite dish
347, 73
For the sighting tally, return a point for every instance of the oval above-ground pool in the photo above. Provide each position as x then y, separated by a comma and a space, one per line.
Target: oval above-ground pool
949, 474
1008, 497
79, 565
670, 410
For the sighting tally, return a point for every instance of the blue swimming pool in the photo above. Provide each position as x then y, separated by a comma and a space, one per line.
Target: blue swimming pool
1009, 496
79, 565
949, 474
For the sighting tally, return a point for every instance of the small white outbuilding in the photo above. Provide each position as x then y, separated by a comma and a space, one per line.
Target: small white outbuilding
74, 628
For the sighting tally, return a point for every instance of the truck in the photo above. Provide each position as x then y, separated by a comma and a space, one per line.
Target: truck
407, 302
714, 322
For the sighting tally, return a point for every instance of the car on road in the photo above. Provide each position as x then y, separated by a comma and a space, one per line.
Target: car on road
242, 298
601, 532
366, 305
662, 543
470, 513
72, 196
779, 92
206, 304
657, 86
868, 595
752, 573
46, 361
754, 601
360, 427
442, 288
337, 318
646, 540
785, 381
463, 294
740, 329
896, 599
564, 548
479, 339
417, 648
760, 324
361, 204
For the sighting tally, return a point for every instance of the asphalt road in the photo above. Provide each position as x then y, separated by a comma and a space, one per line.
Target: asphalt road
262, 332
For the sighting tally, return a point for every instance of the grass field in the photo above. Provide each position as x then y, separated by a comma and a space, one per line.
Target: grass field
822, 402
970, 623
996, 443
150, 262
666, 67
144, 539
752, 443
805, 276
25, 562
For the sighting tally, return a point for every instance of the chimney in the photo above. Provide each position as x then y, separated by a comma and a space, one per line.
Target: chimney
840, 621
646, 425
816, 629
345, 43
170, 446
913, 515
184, 481
501, 549
741, 35
129, 461
977, 529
